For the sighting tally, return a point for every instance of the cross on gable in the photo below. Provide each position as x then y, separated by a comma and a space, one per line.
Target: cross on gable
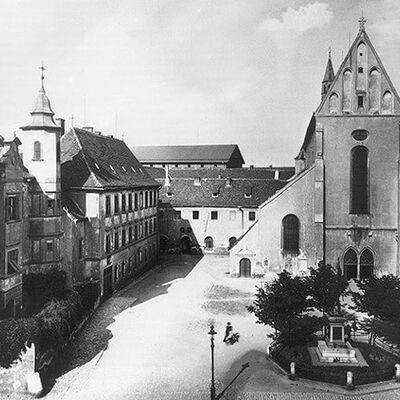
362, 22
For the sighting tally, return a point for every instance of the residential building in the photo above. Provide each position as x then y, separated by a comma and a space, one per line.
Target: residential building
111, 210
193, 156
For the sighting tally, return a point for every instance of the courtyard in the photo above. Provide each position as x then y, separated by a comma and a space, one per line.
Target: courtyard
150, 341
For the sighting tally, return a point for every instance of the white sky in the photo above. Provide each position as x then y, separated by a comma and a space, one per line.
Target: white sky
185, 71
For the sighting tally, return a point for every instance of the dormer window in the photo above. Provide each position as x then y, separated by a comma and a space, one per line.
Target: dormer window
123, 169
247, 195
215, 194
133, 170
170, 194
97, 165
141, 171
112, 168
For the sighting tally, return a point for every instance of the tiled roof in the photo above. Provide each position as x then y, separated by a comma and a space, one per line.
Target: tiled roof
285, 173
183, 193
90, 160
182, 154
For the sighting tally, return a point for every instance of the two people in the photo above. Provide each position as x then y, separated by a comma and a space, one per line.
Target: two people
230, 337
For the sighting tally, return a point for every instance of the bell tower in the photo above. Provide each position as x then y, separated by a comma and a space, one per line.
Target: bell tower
41, 155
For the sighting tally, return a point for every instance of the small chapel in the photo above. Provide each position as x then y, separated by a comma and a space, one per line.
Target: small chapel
342, 205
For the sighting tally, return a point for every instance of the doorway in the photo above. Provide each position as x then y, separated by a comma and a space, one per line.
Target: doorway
245, 268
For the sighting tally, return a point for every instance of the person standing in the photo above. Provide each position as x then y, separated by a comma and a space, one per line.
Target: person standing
228, 331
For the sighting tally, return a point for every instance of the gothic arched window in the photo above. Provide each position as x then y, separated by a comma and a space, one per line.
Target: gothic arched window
373, 91
208, 242
350, 264
366, 264
290, 233
37, 151
334, 103
359, 181
347, 78
387, 103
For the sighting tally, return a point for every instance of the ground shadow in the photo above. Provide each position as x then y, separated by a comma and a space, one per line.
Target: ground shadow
94, 337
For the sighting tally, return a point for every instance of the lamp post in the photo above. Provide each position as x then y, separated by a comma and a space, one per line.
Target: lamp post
213, 395
212, 388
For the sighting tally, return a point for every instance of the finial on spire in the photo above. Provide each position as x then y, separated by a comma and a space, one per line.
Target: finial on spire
329, 52
42, 75
362, 22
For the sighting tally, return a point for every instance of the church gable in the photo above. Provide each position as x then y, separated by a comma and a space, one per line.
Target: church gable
361, 85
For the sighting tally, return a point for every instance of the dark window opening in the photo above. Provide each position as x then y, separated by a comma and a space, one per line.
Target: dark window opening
214, 215
290, 226
360, 100
196, 214
80, 249
12, 208
123, 203
108, 206
12, 261
359, 181
130, 202
360, 70
252, 215
116, 204
177, 214
350, 264
116, 240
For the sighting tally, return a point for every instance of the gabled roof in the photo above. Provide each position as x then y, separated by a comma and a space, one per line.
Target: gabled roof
240, 193
361, 36
256, 173
93, 161
187, 154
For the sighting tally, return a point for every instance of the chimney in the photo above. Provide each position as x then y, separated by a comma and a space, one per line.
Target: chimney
167, 180
276, 174
88, 128
228, 182
61, 124
97, 132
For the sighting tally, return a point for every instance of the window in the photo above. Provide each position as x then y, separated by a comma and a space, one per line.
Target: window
12, 261
136, 201
37, 151
116, 204
116, 240
36, 251
12, 207
360, 101
347, 90
130, 234
208, 242
108, 206
58, 151
252, 215
247, 195
146, 199
177, 214
80, 249
290, 226
366, 264
360, 135
136, 233
123, 203
108, 243
360, 69
141, 200
123, 237
214, 215
195, 214
35, 208
350, 264
182, 229
49, 250
150, 199
130, 202
359, 180
387, 103
146, 228
334, 103
50, 206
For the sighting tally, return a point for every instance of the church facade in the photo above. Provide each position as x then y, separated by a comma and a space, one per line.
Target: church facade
342, 205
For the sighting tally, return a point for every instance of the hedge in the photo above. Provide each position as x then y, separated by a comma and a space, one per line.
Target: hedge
378, 370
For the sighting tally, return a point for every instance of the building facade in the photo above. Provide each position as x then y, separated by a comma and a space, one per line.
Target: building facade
194, 156
343, 204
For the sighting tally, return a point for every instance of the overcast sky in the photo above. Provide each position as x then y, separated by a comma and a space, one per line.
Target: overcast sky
185, 71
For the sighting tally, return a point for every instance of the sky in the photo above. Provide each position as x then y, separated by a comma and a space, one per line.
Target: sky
185, 71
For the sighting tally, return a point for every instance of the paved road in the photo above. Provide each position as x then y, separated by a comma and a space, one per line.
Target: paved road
150, 342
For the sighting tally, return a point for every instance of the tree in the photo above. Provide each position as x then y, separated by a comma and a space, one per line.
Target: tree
380, 299
282, 304
325, 286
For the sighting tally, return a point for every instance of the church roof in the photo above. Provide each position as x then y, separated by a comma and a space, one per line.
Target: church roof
215, 153
93, 161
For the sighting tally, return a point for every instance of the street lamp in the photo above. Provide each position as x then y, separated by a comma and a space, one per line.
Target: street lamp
212, 388
213, 396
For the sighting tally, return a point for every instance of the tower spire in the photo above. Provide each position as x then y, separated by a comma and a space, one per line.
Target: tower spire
362, 22
329, 75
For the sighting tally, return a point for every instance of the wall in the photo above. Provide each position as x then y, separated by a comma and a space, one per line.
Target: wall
264, 241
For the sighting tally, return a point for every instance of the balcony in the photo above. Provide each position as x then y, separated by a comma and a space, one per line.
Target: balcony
9, 282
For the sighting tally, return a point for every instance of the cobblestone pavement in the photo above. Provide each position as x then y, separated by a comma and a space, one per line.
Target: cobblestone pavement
150, 342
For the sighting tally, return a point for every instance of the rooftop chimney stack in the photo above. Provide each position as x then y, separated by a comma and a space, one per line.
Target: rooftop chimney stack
88, 128
61, 123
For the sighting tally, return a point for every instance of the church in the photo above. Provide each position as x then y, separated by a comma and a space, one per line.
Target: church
342, 205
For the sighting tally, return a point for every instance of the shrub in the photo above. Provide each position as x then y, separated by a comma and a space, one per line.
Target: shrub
14, 334
40, 288
89, 292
